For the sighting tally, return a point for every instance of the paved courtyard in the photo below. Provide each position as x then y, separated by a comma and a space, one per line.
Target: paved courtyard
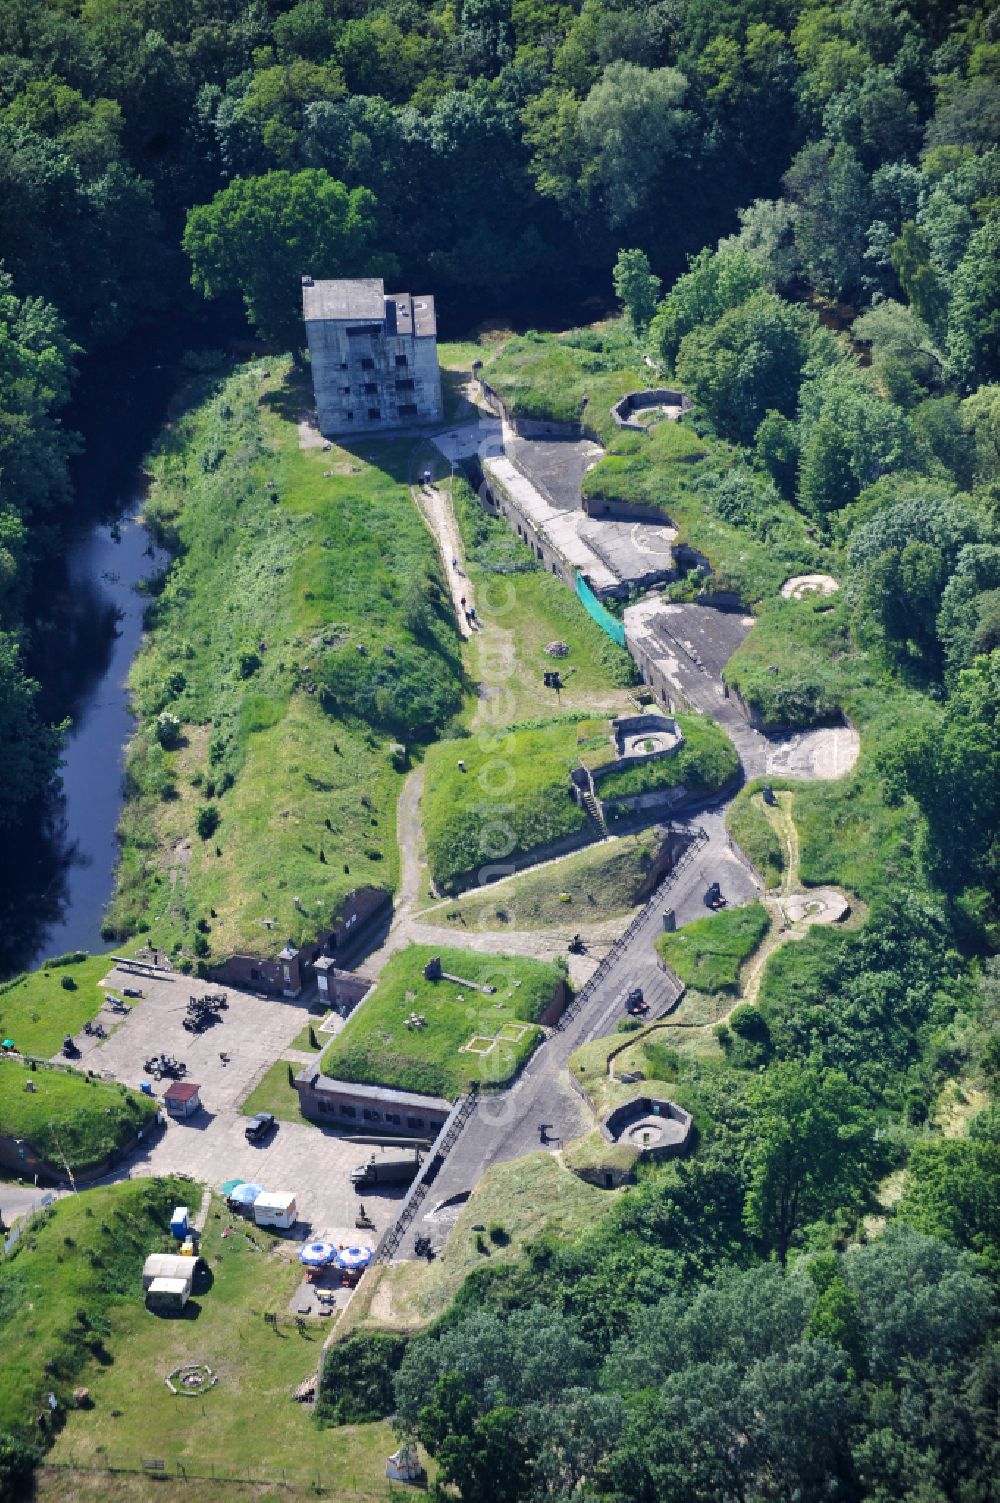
211, 1146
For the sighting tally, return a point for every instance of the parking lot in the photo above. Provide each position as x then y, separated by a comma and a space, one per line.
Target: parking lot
211, 1146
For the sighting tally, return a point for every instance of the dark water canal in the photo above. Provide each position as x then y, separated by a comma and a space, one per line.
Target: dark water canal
56, 875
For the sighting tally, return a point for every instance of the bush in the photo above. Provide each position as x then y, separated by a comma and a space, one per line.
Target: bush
67, 983
208, 821
356, 1381
168, 729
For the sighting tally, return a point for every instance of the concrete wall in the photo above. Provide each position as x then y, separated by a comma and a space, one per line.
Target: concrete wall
621, 1118
504, 505
638, 401
345, 367
285, 976
622, 511
364, 1109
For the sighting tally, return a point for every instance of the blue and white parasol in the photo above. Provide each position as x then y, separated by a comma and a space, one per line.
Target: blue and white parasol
245, 1194
352, 1258
317, 1254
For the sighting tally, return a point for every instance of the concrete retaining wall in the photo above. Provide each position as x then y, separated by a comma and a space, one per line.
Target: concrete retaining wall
638, 401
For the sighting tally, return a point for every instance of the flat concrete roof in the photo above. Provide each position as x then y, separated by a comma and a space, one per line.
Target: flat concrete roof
361, 297
637, 551
365, 298
382, 1094
561, 527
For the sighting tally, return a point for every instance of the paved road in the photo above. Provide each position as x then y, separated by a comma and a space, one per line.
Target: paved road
506, 1126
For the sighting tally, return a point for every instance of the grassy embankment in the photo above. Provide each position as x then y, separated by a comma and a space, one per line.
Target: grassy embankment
600, 882
513, 793
752, 541
517, 1203
800, 664
300, 633
523, 608
705, 762
60, 1286
90, 1118
376, 1046
709, 953
567, 377
38, 1009
134, 1414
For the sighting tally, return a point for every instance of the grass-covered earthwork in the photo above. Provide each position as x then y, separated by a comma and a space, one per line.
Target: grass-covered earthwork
708, 953
706, 760
515, 1204
468, 1035
605, 881
299, 638
499, 794
38, 1009
566, 377
134, 1414
60, 1286
66, 1113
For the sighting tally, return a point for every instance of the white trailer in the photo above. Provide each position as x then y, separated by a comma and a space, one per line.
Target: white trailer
275, 1208
168, 1294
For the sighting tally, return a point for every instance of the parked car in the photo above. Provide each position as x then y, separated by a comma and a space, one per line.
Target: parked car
260, 1126
131, 991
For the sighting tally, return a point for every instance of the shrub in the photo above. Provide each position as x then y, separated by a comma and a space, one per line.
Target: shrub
208, 821
67, 983
356, 1381
168, 729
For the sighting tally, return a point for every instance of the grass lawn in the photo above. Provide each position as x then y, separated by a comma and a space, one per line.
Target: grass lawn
248, 1421
60, 1484
566, 376
517, 1202
61, 1285
37, 1011
310, 1036
323, 559
276, 1094
523, 609
600, 882
90, 1117
377, 1047
513, 795
756, 836
708, 953
704, 763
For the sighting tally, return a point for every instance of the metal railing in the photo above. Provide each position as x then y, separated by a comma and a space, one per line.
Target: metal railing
624, 940
393, 1236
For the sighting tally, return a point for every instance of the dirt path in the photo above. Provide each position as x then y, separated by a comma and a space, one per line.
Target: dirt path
412, 871
434, 504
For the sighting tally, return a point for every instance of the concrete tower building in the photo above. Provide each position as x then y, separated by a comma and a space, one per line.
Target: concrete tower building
374, 357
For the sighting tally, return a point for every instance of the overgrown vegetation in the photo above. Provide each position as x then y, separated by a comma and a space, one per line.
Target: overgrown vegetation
299, 635
709, 952
67, 1116
381, 1045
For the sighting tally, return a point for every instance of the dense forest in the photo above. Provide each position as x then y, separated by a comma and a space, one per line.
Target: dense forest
500, 152
798, 206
